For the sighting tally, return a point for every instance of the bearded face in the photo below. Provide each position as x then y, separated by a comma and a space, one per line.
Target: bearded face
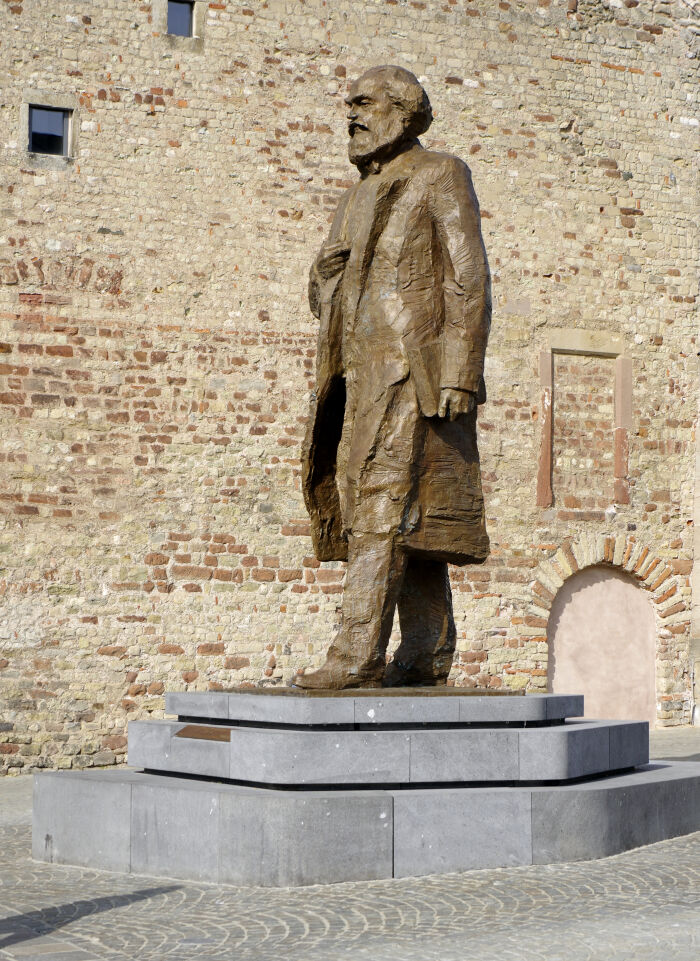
377, 127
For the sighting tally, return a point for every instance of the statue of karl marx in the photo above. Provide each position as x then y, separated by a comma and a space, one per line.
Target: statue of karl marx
391, 472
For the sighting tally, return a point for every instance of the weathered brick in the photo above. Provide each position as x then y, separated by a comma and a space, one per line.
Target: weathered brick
210, 648
236, 663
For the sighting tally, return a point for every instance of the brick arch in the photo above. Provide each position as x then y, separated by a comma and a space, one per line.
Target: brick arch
650, 571
663, 582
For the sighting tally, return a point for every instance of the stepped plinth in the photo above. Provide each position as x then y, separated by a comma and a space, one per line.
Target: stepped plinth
287, 787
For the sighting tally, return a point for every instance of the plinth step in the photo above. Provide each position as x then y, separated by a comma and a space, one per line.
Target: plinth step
190, 829
392, 706
416, 755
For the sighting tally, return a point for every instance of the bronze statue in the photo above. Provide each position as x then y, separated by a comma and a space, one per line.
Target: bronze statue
390, 462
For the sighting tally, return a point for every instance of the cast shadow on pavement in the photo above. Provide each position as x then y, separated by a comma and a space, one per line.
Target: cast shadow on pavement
44, 921
674, 757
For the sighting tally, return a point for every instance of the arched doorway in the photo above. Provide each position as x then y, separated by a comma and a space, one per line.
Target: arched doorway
602, 644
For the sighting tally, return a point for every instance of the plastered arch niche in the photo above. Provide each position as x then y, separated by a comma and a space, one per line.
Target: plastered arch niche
602, 644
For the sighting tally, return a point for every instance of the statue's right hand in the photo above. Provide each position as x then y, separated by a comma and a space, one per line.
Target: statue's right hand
331, 260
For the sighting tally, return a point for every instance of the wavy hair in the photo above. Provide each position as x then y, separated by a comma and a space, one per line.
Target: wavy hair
404, 90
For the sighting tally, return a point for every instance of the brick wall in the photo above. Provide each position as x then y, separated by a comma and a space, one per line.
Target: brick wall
156, 350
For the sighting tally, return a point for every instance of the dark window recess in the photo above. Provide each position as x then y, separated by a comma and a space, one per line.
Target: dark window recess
48, 130
180, 18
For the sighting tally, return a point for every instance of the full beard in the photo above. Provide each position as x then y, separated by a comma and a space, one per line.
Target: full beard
365, 148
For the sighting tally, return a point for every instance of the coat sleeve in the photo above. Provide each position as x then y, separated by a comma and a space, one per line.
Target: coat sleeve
465, 278
319, 448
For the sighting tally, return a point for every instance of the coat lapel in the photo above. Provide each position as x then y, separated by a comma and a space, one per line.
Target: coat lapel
372, 225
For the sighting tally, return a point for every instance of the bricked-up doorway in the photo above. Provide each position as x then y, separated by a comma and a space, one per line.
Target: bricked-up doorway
586, 414
602, 641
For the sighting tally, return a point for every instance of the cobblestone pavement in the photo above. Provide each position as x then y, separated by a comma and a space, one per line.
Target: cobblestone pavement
643, 905
678, 743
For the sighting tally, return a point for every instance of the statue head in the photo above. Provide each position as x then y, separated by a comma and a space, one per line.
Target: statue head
387, 109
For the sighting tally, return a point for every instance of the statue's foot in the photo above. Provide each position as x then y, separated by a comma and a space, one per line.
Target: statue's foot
398, 675
335, 679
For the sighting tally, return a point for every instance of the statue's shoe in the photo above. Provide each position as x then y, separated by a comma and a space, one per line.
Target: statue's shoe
329, 679
396, 675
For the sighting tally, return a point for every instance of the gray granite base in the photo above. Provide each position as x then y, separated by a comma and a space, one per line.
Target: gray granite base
415, 755
280, 788
369, 707
195, 829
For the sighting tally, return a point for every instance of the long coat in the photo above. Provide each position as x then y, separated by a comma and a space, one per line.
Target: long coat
407, 316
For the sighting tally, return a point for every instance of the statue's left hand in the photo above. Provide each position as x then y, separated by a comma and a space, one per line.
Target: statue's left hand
332, 260
455, 402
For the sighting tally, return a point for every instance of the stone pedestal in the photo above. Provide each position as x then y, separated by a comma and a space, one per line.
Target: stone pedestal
288, 788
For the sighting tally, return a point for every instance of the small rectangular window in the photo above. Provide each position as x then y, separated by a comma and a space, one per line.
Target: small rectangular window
180, 17
49, 129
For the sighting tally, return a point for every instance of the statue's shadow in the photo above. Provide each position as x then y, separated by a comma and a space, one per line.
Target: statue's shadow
45, 921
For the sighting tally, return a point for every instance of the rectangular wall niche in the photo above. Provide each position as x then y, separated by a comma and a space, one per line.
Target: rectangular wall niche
586, 400
49, 130
583, 422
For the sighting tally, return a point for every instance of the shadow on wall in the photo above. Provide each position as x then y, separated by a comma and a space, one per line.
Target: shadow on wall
602, 644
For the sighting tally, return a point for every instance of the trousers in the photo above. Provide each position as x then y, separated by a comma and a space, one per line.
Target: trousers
382, 576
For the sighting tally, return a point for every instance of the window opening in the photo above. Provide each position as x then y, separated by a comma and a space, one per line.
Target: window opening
49, 129
180, 18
